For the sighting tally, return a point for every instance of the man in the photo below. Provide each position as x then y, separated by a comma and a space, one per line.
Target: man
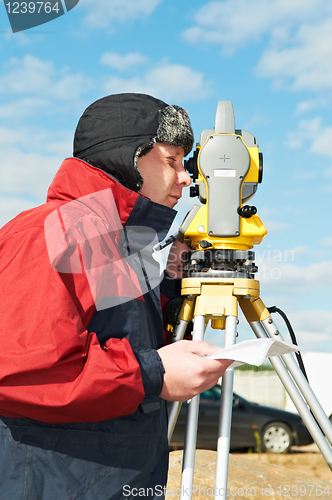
84, 372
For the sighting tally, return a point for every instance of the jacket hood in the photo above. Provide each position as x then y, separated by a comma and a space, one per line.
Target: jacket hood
115, 129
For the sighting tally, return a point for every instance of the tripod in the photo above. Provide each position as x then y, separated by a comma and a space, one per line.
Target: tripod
215, 295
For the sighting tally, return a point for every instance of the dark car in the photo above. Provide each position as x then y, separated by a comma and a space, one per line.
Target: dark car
253, 425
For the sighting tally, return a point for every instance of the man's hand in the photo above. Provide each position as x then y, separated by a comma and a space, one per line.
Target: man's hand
187, 373
175, 259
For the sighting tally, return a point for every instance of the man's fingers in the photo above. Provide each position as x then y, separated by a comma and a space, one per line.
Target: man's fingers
187, 371
202, 348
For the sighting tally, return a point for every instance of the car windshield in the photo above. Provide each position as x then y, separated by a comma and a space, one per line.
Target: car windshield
213, 395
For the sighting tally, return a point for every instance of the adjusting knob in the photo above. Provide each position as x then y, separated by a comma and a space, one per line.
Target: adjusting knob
247, 211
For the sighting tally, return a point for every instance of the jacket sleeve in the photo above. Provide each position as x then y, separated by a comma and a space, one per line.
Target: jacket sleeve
51, 369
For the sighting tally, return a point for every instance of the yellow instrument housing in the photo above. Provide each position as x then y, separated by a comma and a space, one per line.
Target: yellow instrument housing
195, 227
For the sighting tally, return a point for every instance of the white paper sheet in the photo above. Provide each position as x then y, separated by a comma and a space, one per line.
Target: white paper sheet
254, 351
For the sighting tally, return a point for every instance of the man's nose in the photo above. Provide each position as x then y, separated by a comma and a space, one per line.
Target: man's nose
183, 177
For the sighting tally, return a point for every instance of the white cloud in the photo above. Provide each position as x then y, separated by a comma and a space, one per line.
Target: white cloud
273, 226
107, 12
328, 172
313, 134
171, 82
294, 287
322, 143
20, 108
31, 139
311, 104
29, 160
233, 23
303, 64
31, 75
229, 23
312, 327
122, 62
31, 155
285, 277
327, 242
38, 86
21, 39
307, 130
297, 38
23, 173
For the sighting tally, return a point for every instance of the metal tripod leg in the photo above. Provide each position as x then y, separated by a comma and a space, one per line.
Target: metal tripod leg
187, 477
178, 334
302, 383
173, 417
225, 416
294, 393
224, 421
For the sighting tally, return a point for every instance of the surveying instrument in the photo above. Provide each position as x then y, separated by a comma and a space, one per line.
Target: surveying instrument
221, 232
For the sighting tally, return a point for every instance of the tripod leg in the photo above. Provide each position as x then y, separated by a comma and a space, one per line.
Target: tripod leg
297, 399
191, 427
302, 383
184, 316
178, 334
225, 416
172, 418
179, 330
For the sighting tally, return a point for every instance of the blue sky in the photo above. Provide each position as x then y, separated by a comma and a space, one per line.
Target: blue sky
271, 59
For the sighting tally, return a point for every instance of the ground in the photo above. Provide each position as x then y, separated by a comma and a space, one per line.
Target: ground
305, 460
303, 473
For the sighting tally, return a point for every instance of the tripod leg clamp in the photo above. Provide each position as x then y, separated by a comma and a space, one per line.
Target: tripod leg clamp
254, 310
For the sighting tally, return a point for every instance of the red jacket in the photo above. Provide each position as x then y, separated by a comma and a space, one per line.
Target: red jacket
53, 368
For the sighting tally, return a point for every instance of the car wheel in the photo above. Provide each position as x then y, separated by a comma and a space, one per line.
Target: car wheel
277, 438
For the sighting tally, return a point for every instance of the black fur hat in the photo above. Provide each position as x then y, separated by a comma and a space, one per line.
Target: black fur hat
115, 130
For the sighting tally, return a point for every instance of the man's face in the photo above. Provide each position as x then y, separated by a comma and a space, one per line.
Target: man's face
163, 174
